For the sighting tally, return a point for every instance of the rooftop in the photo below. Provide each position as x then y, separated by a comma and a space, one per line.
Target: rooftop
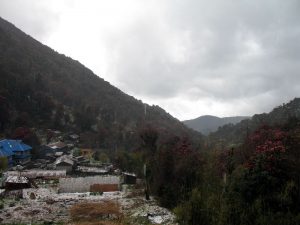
129, 174
65, 159
8, 147
37, 173
91, 169
57, 145
17, 180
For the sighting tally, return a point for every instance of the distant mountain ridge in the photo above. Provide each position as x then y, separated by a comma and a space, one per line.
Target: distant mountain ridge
207, 124
283, 115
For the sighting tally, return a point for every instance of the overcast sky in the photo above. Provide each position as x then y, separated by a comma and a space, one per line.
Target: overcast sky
191, 57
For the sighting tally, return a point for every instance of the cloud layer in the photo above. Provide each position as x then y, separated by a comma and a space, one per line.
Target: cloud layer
190, 57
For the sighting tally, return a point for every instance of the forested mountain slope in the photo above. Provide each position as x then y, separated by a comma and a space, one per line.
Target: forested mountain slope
42, 88
235, 134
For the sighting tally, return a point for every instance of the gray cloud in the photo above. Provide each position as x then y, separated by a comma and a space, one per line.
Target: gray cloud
191, 57
232, 52
33, 17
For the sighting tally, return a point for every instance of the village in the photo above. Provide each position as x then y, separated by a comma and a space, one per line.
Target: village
64, 184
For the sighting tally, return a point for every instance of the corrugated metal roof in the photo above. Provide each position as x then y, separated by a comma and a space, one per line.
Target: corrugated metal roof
5, 150
17, 179
65, 159
129, 174
74, 136
11, 146
57, 145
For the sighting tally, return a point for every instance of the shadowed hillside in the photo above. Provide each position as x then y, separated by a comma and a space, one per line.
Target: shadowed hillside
42, 88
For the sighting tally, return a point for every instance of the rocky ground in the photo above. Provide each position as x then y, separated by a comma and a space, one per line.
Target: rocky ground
47, 206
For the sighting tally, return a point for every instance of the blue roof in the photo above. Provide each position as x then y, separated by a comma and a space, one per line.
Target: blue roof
8, 147
4, 152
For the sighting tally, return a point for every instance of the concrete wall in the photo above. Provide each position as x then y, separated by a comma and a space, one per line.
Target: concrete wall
83, 184
37, 193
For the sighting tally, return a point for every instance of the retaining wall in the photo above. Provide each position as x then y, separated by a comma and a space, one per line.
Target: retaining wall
83, 184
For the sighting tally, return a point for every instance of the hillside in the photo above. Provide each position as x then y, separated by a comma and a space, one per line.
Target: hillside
207, 124
44, 89
235, 134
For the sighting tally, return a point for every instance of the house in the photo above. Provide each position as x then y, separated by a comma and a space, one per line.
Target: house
92, 170
45, 152
17, 152
74, 137
6, 153
129, 178
64, 163
58, 146
80, 159
16, 183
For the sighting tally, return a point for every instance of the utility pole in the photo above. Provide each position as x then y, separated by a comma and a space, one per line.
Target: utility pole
247, 130
145, 109
146, 183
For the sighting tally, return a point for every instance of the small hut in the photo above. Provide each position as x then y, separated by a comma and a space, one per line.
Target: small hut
129, 178
16, 183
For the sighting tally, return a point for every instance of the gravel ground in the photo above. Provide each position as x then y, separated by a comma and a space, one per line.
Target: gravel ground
48, 206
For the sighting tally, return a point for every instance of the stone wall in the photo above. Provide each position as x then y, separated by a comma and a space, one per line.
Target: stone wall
38, 193
83, 184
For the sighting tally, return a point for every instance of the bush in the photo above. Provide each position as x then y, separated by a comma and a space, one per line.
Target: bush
96, 193
194, 211
95, 211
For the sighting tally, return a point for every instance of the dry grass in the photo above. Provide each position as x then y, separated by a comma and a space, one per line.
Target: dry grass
96, 212
105, 222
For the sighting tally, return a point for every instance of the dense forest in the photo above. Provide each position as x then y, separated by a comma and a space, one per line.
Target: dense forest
242, 174
40, 88
254, 182
231, 135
